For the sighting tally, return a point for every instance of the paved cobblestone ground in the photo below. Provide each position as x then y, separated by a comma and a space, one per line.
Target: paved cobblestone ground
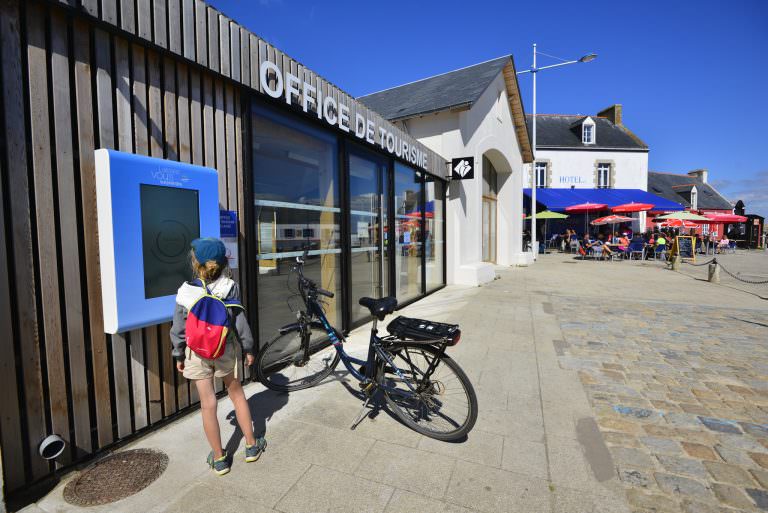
681, 396
680, 393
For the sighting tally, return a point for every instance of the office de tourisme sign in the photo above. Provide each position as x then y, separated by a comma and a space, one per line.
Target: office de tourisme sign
335, 113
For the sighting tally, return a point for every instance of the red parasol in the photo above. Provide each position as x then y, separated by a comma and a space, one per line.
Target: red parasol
586, 207
611, 220
676, 223
726, 218
631, 207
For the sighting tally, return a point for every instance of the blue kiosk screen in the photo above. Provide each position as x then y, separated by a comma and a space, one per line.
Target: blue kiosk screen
170, 220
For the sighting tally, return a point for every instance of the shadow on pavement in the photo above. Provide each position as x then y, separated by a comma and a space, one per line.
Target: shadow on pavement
263, 405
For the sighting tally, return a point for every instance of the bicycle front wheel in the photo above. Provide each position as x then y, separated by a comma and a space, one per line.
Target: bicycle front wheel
442, 405
285, 366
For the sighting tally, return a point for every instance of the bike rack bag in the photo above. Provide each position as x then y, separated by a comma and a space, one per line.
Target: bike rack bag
420, 329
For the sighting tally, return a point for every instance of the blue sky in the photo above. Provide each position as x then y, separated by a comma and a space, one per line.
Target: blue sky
692, 76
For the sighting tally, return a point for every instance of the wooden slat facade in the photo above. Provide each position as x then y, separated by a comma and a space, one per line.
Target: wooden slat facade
171, 79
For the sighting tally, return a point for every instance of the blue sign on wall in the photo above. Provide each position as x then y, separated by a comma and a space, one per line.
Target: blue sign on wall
149, 210
228, 223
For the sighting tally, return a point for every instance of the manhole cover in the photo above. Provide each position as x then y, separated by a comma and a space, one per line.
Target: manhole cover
116, 477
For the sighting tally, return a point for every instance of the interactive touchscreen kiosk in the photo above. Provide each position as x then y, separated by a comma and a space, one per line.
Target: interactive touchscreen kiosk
149, 211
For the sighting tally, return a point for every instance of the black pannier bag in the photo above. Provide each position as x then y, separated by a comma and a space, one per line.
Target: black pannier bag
420, 329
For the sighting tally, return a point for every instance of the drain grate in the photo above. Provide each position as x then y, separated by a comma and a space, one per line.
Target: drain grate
116, 477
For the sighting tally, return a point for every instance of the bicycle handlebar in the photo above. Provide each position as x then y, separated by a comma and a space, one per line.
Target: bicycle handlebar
306, 282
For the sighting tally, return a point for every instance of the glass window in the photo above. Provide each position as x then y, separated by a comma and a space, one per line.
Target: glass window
295, 184
434, 233
408, 245
603, 176
369, 274
587, 133
490, 184
490, 189
541, 174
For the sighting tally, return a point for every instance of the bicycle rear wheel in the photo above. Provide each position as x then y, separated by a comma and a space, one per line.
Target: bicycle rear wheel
443, 406
282, 365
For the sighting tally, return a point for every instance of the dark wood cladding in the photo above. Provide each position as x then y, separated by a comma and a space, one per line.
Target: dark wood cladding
165, 78
199, 33
71, 83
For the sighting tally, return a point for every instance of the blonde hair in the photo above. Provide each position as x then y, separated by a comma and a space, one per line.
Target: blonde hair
210, 270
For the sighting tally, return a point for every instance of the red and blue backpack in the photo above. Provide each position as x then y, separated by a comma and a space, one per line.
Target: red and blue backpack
208, 323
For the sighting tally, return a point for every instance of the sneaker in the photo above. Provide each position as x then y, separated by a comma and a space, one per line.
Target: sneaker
219, 465
253, 452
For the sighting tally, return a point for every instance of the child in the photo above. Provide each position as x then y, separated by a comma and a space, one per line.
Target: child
209, 264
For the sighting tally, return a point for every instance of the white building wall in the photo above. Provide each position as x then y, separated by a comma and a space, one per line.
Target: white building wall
577, 168
485, 129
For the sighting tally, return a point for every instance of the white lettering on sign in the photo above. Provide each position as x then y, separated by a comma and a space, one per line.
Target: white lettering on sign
571, 179
295, 91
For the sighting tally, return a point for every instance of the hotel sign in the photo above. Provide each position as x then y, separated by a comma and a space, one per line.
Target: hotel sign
335, 113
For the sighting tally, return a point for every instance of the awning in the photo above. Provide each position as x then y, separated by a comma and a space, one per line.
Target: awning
559, 199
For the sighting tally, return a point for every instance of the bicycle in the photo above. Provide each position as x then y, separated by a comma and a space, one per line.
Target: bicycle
422, 386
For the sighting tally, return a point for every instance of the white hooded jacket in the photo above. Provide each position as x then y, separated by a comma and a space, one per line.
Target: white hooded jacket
188, 294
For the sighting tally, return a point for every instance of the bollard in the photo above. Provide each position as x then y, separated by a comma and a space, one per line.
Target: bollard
714, 273
676, 262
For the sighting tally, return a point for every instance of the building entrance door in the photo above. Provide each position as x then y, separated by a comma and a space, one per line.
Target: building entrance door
367, 235
490, 190
489, 230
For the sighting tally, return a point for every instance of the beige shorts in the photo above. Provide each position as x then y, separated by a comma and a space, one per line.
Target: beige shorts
196, 367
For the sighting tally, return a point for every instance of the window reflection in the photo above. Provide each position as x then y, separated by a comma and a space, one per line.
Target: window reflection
434, 233
368, 274
296, 206
408, 233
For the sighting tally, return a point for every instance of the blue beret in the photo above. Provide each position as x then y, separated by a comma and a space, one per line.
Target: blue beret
209, 249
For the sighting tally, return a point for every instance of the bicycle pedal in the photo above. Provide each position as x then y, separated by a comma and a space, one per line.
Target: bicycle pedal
366, 386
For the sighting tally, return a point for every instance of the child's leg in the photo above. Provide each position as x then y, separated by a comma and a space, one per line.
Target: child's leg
242, 410
208, 408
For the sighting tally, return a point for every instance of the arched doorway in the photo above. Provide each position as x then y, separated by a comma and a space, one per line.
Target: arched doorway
489, 225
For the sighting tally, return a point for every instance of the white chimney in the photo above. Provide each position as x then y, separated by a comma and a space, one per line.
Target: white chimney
701, 174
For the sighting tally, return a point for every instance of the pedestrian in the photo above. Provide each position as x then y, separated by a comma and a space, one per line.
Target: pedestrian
213, 277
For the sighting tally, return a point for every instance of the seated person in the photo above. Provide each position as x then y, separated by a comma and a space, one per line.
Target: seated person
623, 243
723, 244
600, 243
661, 241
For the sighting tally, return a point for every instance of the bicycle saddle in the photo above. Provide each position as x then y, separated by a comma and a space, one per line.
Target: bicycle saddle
379, 308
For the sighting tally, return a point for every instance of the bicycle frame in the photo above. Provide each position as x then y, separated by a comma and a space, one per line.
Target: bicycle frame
374, 349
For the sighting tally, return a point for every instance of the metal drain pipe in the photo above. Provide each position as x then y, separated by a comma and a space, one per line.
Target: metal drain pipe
51, 447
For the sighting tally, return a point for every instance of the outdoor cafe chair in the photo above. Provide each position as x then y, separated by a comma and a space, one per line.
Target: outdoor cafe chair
660, 252
732, 246
574, 246
636, 248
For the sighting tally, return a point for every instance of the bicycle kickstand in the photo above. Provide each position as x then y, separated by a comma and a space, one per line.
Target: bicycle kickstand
363, 411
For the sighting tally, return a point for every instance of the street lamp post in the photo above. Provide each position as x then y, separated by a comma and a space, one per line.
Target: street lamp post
535, 179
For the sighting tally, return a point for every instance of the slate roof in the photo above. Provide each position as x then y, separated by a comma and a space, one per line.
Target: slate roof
677, 188
454, 89
564, 131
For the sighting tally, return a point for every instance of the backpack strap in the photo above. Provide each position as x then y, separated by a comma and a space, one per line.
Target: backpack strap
200, 283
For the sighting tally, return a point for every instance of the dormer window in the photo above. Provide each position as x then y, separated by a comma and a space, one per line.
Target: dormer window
588, 134
694, 198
